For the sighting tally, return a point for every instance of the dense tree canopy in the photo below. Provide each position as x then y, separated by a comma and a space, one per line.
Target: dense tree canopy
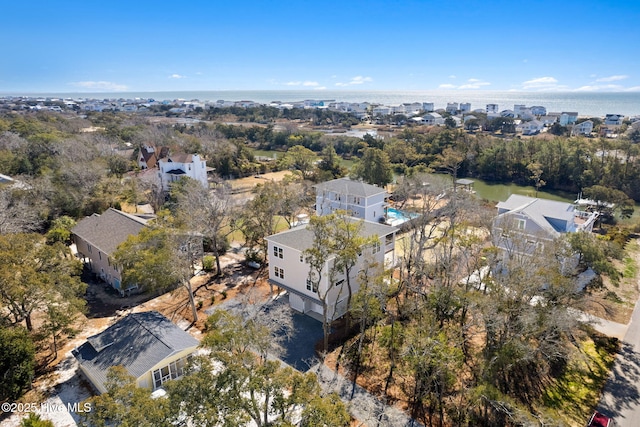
17, 362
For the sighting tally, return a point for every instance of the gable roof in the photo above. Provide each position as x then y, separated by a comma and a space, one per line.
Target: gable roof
541, 211
350, 187
108, 230
301, 238
137, 342
181, 158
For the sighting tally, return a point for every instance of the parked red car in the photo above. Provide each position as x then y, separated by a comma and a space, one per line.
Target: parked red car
599, 420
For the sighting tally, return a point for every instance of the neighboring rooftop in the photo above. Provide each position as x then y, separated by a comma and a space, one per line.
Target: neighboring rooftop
301, 238
350, 187
539, 210
108, 230
179, 158
137, 342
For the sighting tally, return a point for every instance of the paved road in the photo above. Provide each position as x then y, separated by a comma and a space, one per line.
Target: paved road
621, 395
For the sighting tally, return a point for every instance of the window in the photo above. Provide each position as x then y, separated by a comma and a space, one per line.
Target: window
521, 224
279, 272
170, 372
340, 282
376, 246
311, 286
277, 252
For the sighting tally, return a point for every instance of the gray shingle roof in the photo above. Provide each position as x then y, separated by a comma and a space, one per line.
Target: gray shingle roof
350, 187
301, 238
539, 210
108, 230
138, 342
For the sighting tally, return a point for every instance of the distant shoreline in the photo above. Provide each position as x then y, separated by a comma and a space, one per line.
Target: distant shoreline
594, 104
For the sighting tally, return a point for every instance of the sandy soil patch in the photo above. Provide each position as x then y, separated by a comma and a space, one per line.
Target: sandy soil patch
613, 301
249, 182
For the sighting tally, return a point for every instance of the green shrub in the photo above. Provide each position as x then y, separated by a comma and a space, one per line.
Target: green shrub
208, 263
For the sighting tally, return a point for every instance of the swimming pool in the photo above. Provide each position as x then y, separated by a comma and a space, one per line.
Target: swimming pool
396, 217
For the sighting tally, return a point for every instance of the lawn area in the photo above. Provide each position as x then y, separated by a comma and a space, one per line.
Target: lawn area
573, 396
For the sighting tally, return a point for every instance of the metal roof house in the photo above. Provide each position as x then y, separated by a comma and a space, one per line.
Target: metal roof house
524, 224
98, 236
148, 345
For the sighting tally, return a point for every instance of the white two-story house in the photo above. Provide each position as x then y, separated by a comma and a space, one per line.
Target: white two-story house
525, 225
179, 165
582, 128
359, 199
289, 270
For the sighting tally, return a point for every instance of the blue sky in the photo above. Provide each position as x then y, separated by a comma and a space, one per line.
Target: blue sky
136, 45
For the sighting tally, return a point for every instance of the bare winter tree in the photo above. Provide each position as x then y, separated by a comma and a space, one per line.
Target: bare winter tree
17, 213
207, 212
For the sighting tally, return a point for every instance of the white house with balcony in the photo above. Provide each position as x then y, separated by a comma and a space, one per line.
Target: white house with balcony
613, 119
538, 110
532, 127
525, 225
289, 270
567, 118
432, 119
492, 108
452, 107
361, 200
176, 166
428, 106
583, 128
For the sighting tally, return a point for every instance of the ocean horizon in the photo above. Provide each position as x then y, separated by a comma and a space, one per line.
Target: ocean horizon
593, 104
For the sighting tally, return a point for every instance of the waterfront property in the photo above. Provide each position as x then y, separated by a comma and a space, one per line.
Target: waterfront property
289, 270
359, 199
525, 225
147, 345
98, 236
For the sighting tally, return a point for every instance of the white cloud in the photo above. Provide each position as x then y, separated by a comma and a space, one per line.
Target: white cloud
447, 86
177, 76
542, 83
320, 88
612, 78
357, 80
301, 83
595, 88
633, 89
100, 85
452, 76
474, 84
